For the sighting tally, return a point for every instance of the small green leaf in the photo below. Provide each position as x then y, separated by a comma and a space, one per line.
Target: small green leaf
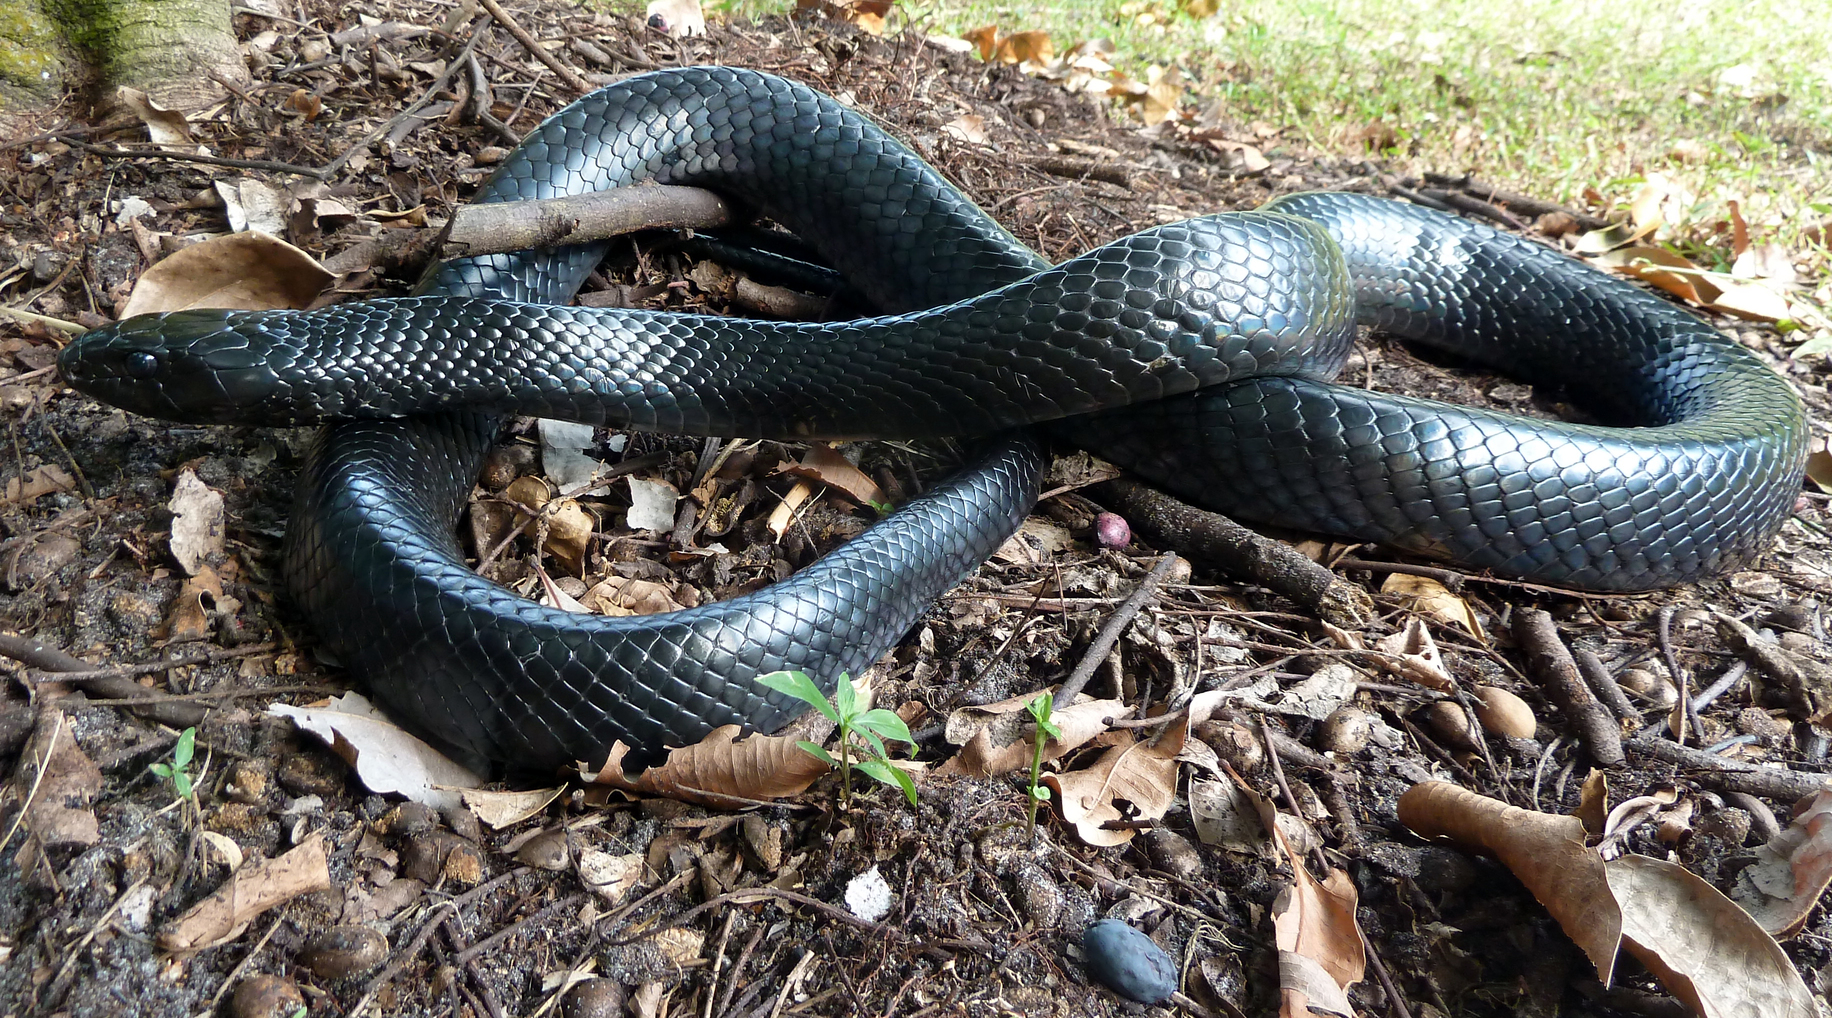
882, 508
877, 744
799, 686
1049, 728
1041, 707
1041, 793
182, 782
885, 723
187, 744
884, 773
161, 769
846, 697
818, 753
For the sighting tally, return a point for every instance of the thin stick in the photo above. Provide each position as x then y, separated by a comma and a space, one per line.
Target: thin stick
1110, 633
535, 49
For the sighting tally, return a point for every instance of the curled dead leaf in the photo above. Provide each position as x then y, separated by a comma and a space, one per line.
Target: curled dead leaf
245, 271
387, 759
823, 463
1412, 654
720, 770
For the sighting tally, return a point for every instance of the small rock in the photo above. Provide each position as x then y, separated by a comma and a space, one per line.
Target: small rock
1797, 617
438, 855
1445, 720
343, 952
463, 822
1173, 853
1235, 743
407, 820
1502, 713
1040, 898
267, 996
1729, 825
239, 818
1346, 731
594, 998
1129, 962
547, 851
133, 613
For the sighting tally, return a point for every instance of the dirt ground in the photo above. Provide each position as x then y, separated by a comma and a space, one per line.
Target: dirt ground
744, 913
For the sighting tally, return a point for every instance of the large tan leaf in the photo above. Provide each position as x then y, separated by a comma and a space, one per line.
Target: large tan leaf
1545, 851
1703, 948
719, 770
387, 758
250, 271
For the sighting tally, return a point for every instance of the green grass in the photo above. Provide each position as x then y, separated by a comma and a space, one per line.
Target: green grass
1553, 97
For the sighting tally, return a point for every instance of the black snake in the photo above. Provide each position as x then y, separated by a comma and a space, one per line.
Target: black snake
1138, 349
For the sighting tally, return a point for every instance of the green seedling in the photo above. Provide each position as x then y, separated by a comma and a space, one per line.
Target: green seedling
1040, 710
178, 772
871, 727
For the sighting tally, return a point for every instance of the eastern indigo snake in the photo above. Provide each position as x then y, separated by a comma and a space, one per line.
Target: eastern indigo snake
1162, 325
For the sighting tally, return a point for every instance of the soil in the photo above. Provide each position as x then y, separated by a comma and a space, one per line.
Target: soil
744, 913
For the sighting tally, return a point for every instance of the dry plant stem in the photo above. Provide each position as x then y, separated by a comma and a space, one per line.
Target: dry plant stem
331, 168
111, 683
1730, 775
467, 954
1386, 979
269, 165
1524, 203
407, 951
579, 85
1079, 169
1550, 662
1237, 550
1682, 683
1476, 207
1110, 633
501, 227
1603, 684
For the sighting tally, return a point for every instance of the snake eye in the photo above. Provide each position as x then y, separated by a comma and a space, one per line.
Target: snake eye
142, 365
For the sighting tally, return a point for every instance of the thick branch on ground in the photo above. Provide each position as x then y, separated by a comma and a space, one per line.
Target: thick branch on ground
502, 227
1237, 550
39, 654
1729, 775
1549, 660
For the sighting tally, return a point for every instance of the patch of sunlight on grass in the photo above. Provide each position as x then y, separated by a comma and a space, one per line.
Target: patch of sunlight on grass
1552, 97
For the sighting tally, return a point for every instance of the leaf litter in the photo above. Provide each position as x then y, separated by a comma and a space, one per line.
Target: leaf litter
1001, 636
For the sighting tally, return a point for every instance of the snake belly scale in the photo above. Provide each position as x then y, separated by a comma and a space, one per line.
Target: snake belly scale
1197, 353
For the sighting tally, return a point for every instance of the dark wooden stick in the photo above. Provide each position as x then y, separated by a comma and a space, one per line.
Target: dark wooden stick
1604, 685
104, 683
1238, 551
1550, 661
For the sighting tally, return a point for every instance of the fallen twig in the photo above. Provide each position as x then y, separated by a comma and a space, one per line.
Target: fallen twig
1238, 550
1549, 660
1110, 633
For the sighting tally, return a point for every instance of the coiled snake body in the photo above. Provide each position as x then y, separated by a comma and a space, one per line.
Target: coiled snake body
1139, 349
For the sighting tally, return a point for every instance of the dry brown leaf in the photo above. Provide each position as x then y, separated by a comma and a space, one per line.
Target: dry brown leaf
652, 505
1703, 948
1819, 466
1142, 776
784, 513
823, 463
1435, 600
189, 617
387, 759
1319, 943
1036, 541
610, 876
985, 39
1240, 156
502, 809
970, 128
1545, 852
1659, 267
35, 484
720, 770
1791, 872
163, 126
1024, 48
1412, 654
997, 738
620, 595
253, 889
1749, 300
59, 782
197, 522
1593, 802
247, 271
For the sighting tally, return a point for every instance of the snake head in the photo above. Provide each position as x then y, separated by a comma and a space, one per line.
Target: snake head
194, 367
